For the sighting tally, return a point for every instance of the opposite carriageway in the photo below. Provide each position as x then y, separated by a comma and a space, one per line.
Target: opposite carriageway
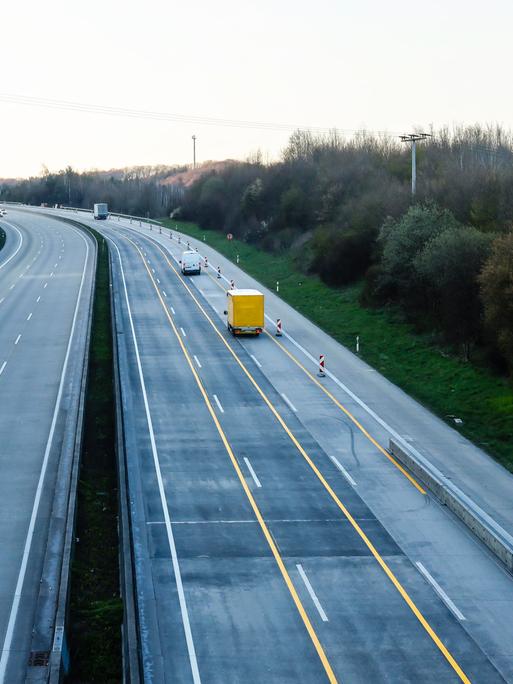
46, 281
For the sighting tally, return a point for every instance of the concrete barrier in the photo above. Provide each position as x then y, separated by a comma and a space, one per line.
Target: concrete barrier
475, 518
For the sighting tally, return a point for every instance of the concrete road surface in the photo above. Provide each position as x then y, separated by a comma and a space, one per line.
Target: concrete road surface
46, 278
274, 539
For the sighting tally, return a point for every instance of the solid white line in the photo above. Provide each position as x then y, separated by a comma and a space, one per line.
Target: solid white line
440, 592
183, 332
343, 471
37, 300
4, 263
197, 361
172, 310
29, 316
287, 401
351, 394
6, 648
256, 361
312, 593
2, 367
252, 472
174, 557
17, 339
218, 403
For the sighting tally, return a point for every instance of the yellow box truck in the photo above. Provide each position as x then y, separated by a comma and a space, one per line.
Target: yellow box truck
245, 312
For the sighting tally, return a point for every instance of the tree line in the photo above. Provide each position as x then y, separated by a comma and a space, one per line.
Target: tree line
343, 209
139, 190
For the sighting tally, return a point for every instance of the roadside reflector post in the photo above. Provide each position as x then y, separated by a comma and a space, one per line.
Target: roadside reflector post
160, 230
219, 271
277, 286
130, 220
206, 262
203, 238
232, 285
179, 240
237, 258
118, 218
278, 328
321, 372
188, 245
358, 344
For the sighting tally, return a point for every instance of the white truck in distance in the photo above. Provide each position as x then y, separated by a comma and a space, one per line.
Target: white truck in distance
100, 211
190, 263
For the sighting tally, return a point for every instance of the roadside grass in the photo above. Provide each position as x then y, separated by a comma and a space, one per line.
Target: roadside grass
445, 384
96, 610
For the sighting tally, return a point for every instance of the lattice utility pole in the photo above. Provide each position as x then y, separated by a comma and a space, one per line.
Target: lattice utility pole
413, 138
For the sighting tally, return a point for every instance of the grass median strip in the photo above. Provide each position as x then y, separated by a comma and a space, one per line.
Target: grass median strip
96, 610
445, 384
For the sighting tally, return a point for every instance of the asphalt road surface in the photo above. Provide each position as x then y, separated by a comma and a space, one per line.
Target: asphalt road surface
274, 539
46, 276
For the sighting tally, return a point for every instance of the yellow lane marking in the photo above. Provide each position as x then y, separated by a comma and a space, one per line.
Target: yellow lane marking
352, 418
348, 414
386, 569
306, 620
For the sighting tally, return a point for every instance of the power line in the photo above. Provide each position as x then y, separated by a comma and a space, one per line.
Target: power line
83, 107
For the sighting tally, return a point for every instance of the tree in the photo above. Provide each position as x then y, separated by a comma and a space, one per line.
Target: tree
401, 242
448, 267
496, 281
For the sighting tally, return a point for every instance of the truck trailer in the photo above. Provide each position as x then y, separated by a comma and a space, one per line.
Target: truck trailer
100, 211
245, 312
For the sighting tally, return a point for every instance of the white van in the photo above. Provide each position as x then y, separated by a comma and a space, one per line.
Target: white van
190, 263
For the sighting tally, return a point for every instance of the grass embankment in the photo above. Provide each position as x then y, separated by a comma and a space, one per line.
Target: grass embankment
96, 610
444, 383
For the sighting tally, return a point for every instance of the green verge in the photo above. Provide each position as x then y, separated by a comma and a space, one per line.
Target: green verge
96, 610
445, 384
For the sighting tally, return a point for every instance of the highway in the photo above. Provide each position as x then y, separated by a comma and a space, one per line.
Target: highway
274, 539
46, 281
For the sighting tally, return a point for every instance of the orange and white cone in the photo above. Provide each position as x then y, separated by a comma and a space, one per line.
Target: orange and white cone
321, 372
278, 328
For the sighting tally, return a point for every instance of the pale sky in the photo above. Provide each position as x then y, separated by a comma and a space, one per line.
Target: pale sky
332, 63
